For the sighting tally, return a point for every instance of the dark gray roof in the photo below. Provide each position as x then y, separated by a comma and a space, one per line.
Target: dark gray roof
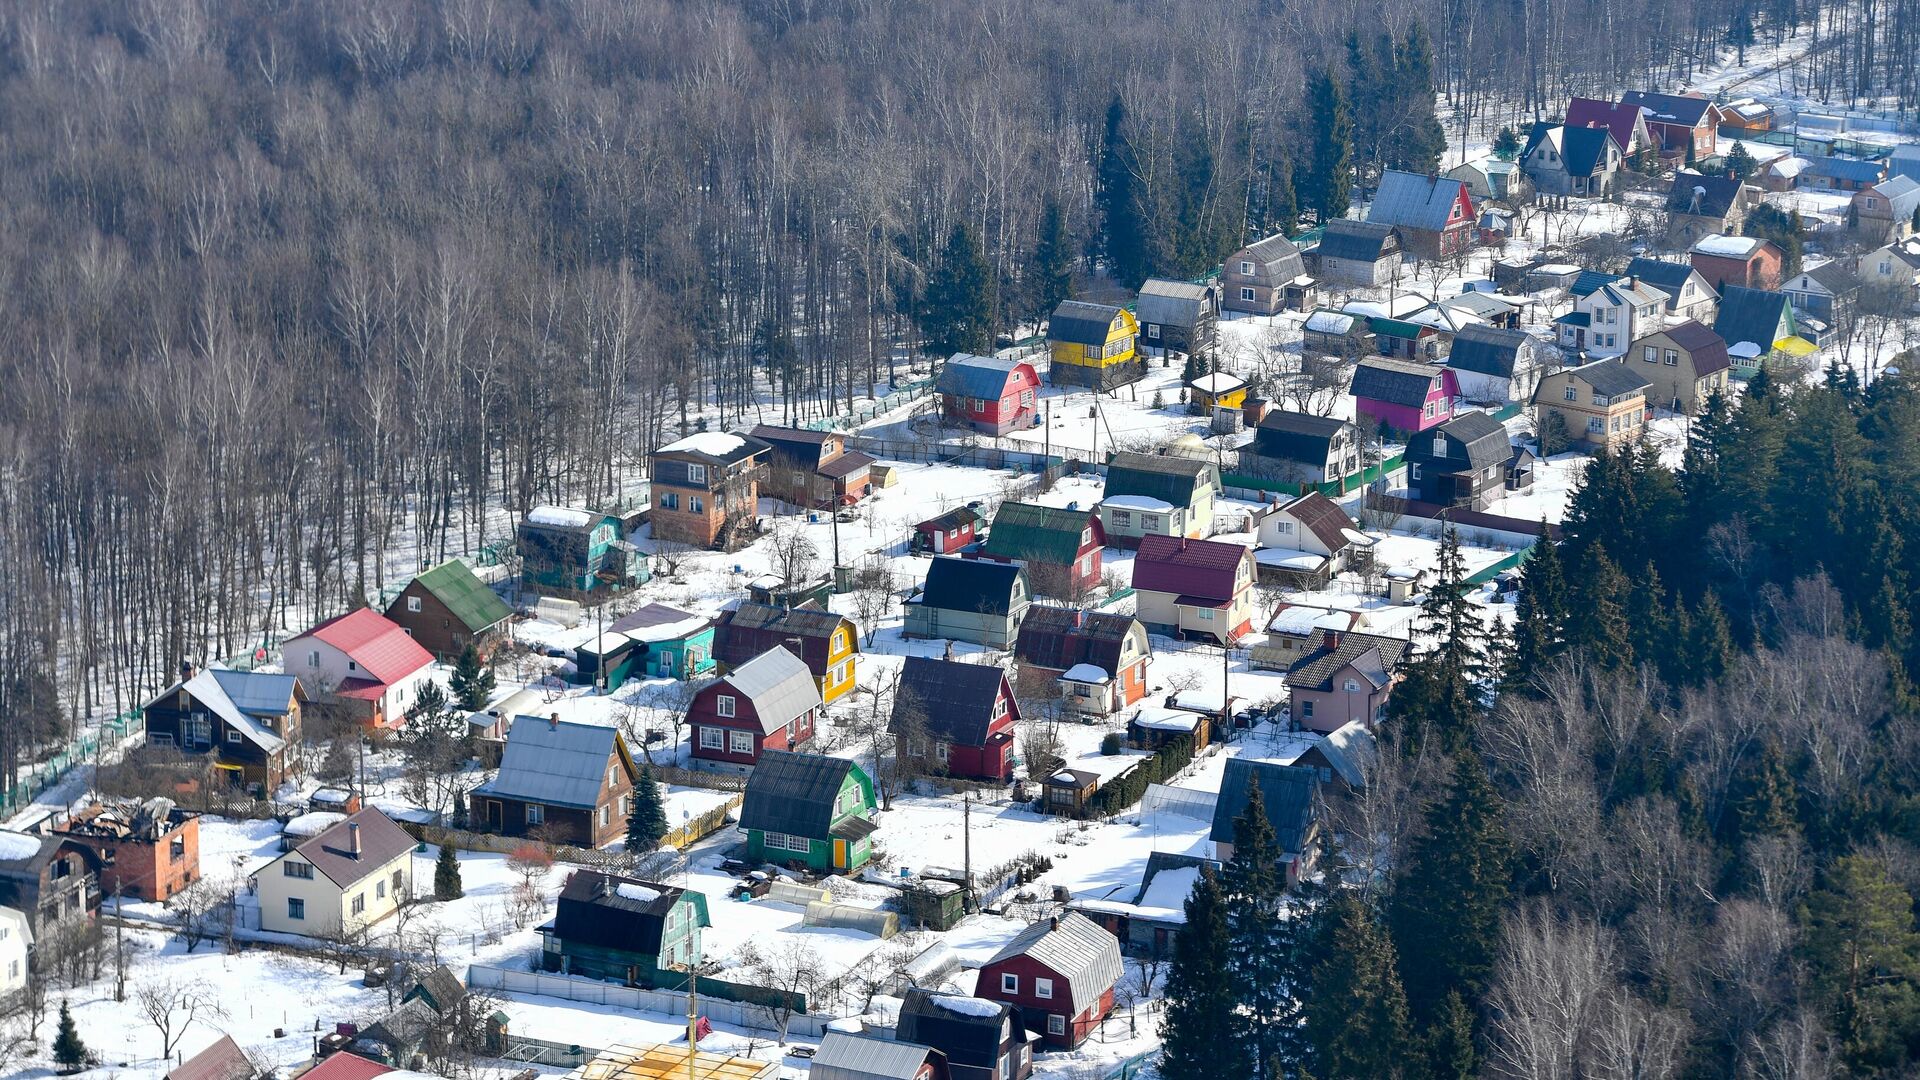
1073, 947
1668, 277
442, 989
1413, 201
1612, 378
592, 911
1476, 439
1290, 436
983, 377
1487, 350
381, 842
554, 764
1287, 791
405, 1028
1081, 323
1584, 150
1397, 381
1707, 349
845, 1056
779, 684
1275, 248
794, 793
977, 585
1363, 241
1171, 303
969, 1034
1695, 193
955, 698
650, 616
1372, 653
1170, 478
1835, 276
1668, 108
1749, 315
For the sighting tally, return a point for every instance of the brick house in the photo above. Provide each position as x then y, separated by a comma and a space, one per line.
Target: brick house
1059, 974
956, 718
568, 782
706, 490
149, 851
768, 703
1060, 547
1737, 260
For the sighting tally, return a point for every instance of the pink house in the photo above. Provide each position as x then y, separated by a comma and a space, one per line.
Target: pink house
1402, 396
988, 393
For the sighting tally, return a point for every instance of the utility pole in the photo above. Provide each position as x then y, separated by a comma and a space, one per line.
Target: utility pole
966, 844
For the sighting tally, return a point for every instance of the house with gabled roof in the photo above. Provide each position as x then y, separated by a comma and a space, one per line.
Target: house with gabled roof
575, 552
1361, 253
991, 394
1305, 541
706, 490
1347, 679
948, 532
1293, 634
982, 1039
1093, 345
1605, 321
1399, 396
1699, 205
1432, 214
1494, 366
1834, 173
342, 880
768, 703
813, 470
362, 663
624, 930
670, 643
1059, 975
1489, 178
1178, 316
1336, 333
1599, 404
1158, 495
1300, 448
843, 1055
1824, 292
1060, 547
1686, 363
955, 718
1194, 588
1684, 126
446, 609
1564, 160
1753, 323
247, 722
976, 600
1097, 660
52, 881
809, 809
829, 643
1266, 278
222, 1060
1689, 296
1288, 792
1894, 268
1626, 123
1463, 462
1884, 212
559, 780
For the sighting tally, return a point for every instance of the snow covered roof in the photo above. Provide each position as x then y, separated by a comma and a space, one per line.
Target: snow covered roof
311, 824
1300, 620
1161, 718
16, 846
1086, 673
560, 517
1169, 888
1217, 382
1289, 558
1329, 322
1789, 167
711, 443
1727, 247
1137, 502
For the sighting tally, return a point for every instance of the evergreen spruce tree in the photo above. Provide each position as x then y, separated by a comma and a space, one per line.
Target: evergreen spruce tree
1257, 946
1448, 616
647, 821
1761, 799
446, 875
1356, 1016
472, 681
1418, 140
1740, 36
1198, 1040
1366, 86
1326, 187
1739, 162
1449, 1041
1445, 914
1710, 645
1506, 145
1649, 628
1863, 960
1540, 616
68, 1051
957, 315
1600, 625
1283, 202
1052, 269
1123, 224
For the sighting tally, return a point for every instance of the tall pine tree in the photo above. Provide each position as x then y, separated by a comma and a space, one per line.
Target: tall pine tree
957, 313
1445, 914
68, 1051
471, 681
1198, 1037
1863, 957
1051, 272
647, 821
1417, 139
1268, 1016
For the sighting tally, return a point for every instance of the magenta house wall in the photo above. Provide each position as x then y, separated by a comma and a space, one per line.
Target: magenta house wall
1443, 393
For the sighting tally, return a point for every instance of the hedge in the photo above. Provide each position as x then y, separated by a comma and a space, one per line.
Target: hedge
1130, 787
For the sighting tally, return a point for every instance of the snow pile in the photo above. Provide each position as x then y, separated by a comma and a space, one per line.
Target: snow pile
1169, 888
1727, 247
637, 893
970, 1006
1087, 673
17, 845
1138, 502
711, 443
561, 517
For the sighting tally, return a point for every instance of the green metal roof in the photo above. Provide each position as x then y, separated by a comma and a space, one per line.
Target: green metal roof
1395, 328
1045, 534
469, 598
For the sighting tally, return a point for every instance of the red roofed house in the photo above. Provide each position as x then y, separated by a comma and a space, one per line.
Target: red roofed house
1627, 123
1194, 588
363, 662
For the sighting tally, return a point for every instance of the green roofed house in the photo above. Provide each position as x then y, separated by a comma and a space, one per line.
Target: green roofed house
1158, 495
447, 608
809, 809
1061, 546
621, 929
1405, 340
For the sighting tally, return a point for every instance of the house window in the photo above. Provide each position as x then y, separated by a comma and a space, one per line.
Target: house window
380, 890
1596, 426
1571, 393
1122, 519
613, 776
1009, 983
940, 752
1246, 294
296, 908
1150, 522
1086, 536
723, 705
1352, 686
535, 813
1429, 410
1043, 988
696, 505
1204, 614
313, 658
1650, 354
359, 903
1246, 267
177, 850
1413, 471
398, 879
712, 738
1153, 331
696, 474
603, 817
233, 736
1056, 1024
299, 870
740, 742
669, 501
1673, 358
1439, 446
413, 603
1306, 710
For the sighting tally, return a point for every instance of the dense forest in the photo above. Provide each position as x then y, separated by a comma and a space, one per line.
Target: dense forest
1668, 825
296, 292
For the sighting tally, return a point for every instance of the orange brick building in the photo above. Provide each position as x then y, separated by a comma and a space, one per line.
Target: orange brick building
149, 850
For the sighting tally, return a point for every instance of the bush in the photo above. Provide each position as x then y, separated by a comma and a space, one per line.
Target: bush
1129, 787
1111, 744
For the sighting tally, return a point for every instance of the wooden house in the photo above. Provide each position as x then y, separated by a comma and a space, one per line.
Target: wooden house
223, 1059
982, 1039
248, 723
1626, 123
948, 533
1699, 206
1824, 292
813, 470
1883, 213
1686, 363
148, 850
1405, 339
363, 664
1363, 253
974, 600
579, 553
1432, 214
1068, 792
1560, 159
560, 781
1061, 547
829, 644
1489, 178
956, 718
1147, 923
1058, 974
1265, 278
1598, 404
1399, 396
1494, 366
706, 490
1305, 541
1336, 333
1294, 633
1299, 448
1348, 678
52, 881
1216, 390
991, 394
1688, 294
1194, 588
16, 953
624, 930
1737, 260
348, 877
1154, 726
1289, 794
1754, 323
1178, 316
768, 703
843, 1055
446, 609
1158, 495
1683, 126
1093, 345
1097, 660
1461, 463
670, 643
1893, 269
811, 810
1833, 173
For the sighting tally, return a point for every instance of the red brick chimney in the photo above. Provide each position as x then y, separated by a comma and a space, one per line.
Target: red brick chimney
353, 839
1332, 639
553, 721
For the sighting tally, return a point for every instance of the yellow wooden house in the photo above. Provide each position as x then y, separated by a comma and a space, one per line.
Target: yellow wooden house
1216, 390
1093, 345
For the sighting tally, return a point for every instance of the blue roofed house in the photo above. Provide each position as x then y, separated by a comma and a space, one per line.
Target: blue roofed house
1289, 793
1432, 214
1754, 323
671, 643
559, 781
246, 722
1495, 366
1562, 160
991, 394
1840, 174
1905, 161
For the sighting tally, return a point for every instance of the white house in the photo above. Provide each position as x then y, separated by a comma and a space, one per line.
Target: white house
364, 660
1494, 365
1893, 268
348, 877
1305, 541
16, 947
1606, 321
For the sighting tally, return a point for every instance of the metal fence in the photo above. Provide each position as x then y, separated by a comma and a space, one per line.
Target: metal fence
670, 1002
979, 457
905, 395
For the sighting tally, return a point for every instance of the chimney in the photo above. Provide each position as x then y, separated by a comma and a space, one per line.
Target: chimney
187, 670
353, 839
553, 721
1332, 639
1053, 922
947, 653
